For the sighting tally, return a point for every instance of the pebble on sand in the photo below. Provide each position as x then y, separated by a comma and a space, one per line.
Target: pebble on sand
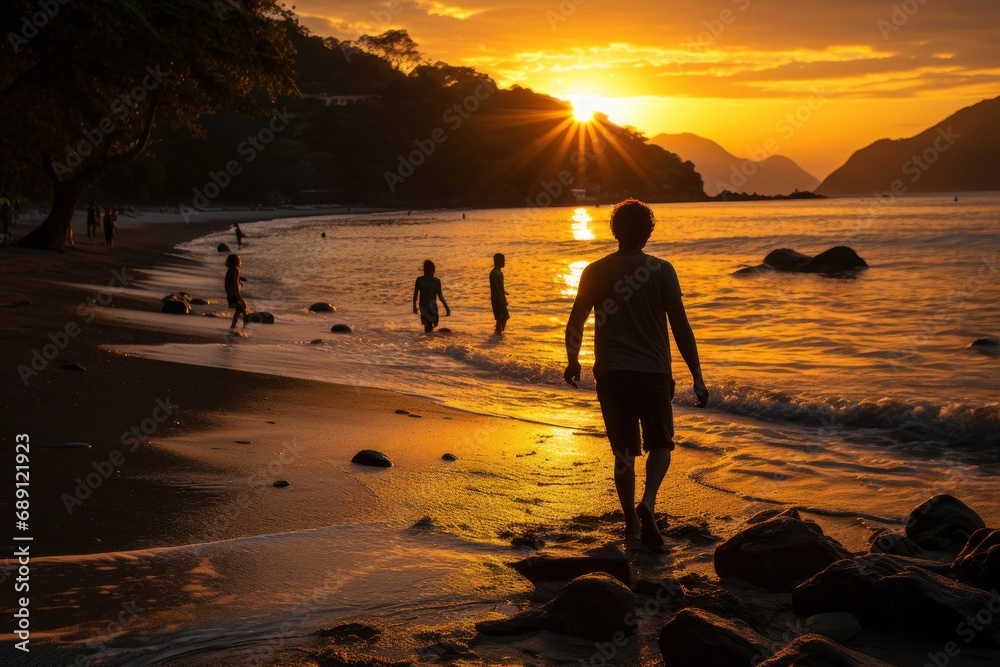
281, 483
371, 457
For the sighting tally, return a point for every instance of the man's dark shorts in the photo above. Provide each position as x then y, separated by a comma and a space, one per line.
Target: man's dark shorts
629, 399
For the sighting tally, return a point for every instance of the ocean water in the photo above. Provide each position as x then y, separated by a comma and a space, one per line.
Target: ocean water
845, 397
884, 356
854, 376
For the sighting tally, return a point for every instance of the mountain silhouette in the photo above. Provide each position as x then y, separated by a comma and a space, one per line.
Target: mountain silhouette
721, 170
959, 154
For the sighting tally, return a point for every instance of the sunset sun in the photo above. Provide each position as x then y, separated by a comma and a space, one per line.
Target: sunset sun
584, 107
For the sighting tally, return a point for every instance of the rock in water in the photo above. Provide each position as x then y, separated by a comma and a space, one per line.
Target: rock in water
73, 366
696, 638
815, 651
595, 606
340, 328
260, 317
979, 562
838, 259
884, 594
449, 457
786, 259
537, 569
988, 341
222, 247
942, 523
777, 553
370, 457
321, 307
176, 307
280, 484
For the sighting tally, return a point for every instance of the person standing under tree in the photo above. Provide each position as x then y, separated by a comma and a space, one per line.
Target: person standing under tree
635, 295
110, 226
426, 291
498, 295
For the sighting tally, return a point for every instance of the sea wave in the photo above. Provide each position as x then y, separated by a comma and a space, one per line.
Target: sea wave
952, 423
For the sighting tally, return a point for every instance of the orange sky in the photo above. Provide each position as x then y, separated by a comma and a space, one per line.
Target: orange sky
821, 78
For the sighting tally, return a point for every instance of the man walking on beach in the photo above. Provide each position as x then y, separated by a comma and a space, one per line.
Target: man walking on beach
498, 295
634, 295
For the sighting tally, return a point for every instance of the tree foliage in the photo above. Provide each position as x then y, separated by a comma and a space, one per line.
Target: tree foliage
396, 47
83, 90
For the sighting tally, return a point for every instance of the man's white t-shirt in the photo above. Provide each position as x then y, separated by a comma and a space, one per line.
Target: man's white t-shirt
629, 294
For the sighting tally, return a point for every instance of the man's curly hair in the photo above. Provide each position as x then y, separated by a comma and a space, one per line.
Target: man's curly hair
632, 222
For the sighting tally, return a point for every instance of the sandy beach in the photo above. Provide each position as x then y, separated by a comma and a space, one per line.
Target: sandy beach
167, 540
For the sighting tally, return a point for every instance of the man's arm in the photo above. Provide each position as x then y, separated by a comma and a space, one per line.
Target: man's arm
684, 337
447, 310
416, 291
574, 330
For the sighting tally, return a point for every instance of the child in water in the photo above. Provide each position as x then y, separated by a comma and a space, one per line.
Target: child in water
426, 292
234, 290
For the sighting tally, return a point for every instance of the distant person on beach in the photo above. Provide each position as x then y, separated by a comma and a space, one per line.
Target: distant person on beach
93, 220
234, 290
239, 236
6, 215
498, 295
426, 292
635, 295
110, 225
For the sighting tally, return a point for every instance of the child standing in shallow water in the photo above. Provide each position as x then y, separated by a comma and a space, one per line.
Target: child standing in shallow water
234, 290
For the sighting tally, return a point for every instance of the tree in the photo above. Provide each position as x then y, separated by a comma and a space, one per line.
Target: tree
394, 46
83, 91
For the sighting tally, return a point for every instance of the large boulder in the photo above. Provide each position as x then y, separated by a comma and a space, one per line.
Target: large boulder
979, 562
371, 457
886, 594
886, 541
695, 638
835, 261
176, 307
942, 523
838, 259
538, 569
816, 651
777, 554
596, 607
786, 259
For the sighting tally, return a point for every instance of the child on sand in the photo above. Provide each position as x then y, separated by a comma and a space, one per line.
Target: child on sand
234, 290
427, 290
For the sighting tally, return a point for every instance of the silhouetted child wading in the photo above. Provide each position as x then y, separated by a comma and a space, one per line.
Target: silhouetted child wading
426, 292
234, 290
635, 295
498, 295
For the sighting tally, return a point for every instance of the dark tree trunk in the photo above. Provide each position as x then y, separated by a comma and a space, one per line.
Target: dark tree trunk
51, 234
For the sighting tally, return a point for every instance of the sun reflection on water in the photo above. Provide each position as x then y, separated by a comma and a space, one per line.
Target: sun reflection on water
581, 225
572, 277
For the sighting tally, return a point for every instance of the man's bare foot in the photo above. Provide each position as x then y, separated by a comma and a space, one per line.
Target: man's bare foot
650, 532
632, 525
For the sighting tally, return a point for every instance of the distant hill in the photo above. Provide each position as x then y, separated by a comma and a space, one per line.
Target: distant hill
439, 135
776, 175
961, 153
